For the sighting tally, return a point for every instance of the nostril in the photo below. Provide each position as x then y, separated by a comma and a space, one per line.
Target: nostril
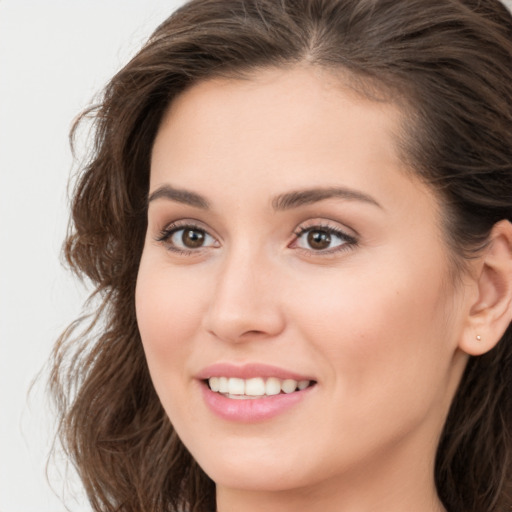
253, 333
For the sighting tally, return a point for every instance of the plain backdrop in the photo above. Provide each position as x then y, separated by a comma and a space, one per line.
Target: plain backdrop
54, 56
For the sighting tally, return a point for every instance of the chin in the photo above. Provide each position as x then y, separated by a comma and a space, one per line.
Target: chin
261, 465
262, 477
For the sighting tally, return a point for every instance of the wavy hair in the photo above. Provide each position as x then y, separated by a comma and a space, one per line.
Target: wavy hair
447, 62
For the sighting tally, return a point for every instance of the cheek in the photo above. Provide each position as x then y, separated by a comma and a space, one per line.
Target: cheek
381, 341
377, 327
168, 311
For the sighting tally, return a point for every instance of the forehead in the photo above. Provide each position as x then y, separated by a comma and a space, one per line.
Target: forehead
297, 116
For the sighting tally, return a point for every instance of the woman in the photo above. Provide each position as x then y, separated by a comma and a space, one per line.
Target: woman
297, 219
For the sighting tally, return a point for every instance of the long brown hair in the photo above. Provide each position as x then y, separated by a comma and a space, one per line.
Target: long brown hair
447, 62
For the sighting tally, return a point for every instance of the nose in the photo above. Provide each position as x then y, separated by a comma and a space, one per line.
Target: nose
244, 304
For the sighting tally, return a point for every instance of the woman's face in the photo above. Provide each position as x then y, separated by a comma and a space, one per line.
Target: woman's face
294, 261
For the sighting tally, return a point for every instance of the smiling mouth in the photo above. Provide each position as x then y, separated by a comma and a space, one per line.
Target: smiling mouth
257, 387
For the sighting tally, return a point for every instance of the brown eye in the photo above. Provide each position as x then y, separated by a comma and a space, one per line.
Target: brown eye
322, 239
187, 238
193, 238
318, 239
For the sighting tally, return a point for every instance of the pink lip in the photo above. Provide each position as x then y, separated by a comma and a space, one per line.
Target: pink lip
251, 410
248, 371
254, 409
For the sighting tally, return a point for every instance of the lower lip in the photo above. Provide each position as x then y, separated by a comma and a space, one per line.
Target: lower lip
253, 409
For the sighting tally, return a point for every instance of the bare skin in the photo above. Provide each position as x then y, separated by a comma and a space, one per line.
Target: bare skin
349, 285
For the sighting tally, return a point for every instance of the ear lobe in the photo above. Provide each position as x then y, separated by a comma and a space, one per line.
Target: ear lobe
491, 312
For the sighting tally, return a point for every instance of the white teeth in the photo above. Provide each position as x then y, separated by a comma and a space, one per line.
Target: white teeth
223, 385
257, 386
236, 386
289, 385
273, 386
303, 384
214, 384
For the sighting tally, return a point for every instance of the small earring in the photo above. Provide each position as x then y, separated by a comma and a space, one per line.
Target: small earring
478, 337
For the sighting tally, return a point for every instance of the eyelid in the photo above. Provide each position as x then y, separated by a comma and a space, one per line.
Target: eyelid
349, 240
328, 225
165, 234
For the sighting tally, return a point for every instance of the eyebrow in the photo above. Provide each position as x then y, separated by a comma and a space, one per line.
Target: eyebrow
281, 202
180, 196
303, 197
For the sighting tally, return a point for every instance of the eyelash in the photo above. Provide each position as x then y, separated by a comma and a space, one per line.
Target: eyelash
169, 231
347, 241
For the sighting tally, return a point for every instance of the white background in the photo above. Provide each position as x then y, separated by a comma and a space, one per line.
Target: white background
54, 56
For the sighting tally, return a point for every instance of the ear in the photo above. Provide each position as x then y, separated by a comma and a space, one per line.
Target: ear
490, 312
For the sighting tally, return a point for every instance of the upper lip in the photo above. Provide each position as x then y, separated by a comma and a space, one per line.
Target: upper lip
248, 371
